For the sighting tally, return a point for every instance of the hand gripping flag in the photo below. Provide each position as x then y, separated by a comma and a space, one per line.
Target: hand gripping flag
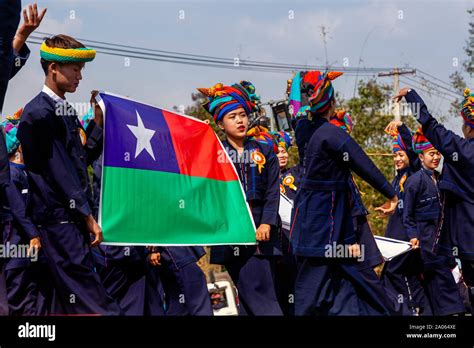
167, 180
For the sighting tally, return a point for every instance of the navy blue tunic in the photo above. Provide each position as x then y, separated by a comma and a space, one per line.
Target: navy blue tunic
421, 218
365, 237
56, 159
395, 228
321, 213
184, 283
29, 292
456, 181
304, 129
422, 213
180, 257
22, 229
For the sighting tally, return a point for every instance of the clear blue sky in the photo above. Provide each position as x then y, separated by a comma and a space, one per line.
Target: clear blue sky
428, 37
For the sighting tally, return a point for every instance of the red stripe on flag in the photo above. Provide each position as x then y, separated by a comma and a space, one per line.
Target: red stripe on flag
198, 150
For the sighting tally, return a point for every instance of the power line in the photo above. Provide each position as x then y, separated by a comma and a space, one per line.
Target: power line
191, 61
440, 86
428, 83
434, 77
127, 51
431, 92
217, 60
425, 89
156, 59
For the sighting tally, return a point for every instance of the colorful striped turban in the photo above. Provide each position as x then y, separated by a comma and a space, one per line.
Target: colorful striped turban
66, 55
224, 99
282, 139
397, 142
263, 136
312, 88
467, 108
11, 127
322, 91
420, 143
342, 119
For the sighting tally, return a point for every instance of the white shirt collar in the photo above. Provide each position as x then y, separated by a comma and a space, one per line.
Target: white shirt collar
53, 95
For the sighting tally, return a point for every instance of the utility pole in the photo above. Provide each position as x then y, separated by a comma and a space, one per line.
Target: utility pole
396, 87
324, 33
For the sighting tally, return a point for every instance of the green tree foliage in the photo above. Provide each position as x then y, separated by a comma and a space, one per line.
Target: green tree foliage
458, 83
469, 48
457, 79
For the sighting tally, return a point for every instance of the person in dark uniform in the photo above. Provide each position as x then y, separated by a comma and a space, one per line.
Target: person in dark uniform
456, 181
322, 233
421, 219
250, 267
132, 277
57, 152
285, 274
184, 284
377, 301
14, 54
28, 289
402, 275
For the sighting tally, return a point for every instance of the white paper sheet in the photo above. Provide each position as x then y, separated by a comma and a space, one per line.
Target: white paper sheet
391, 248
286, 205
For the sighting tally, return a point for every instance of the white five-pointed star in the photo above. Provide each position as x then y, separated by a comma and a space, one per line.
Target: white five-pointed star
143, 136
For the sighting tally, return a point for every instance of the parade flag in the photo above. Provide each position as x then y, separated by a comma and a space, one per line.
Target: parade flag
167, 180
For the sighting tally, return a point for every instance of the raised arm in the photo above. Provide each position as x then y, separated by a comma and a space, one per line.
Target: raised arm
451, 145
363, 166
351, 153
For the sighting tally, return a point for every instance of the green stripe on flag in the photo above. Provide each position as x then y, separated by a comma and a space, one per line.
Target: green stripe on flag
149, 207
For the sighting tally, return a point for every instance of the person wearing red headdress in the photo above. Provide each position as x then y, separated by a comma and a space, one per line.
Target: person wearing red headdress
322, 234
